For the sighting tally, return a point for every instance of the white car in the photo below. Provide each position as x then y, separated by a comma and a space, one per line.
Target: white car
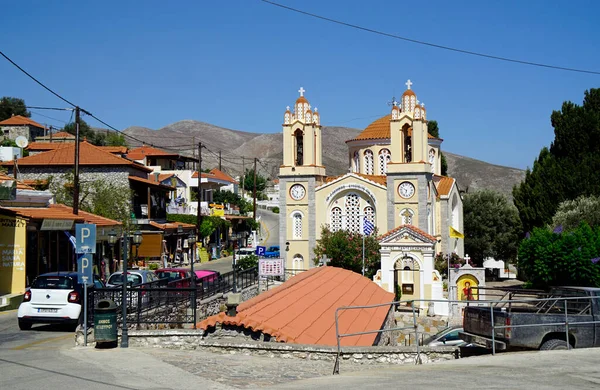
53, 298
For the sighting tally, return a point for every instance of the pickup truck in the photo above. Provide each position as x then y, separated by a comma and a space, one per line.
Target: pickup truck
512, 310
272, 251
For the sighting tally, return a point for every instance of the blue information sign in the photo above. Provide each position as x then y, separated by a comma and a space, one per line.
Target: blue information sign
85, 264
260, 250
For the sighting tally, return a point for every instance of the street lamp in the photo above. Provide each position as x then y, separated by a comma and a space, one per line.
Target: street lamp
137, 240
191, 241
112, 240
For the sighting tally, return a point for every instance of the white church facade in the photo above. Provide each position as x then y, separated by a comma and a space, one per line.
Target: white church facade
394, 181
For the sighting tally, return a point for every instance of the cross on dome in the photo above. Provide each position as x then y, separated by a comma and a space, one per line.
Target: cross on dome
408, 84
418, 102
316, 109
302, 90
287, 108
393, 102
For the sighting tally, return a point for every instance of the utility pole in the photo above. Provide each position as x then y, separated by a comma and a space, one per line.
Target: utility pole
254, 192
194, 152
220, 161
243, 174
199, 212
76, 173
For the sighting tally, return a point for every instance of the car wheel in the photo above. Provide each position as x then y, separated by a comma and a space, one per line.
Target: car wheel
554, 344
24, 325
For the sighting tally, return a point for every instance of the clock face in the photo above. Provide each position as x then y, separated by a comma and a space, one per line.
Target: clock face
406, 190
297, 192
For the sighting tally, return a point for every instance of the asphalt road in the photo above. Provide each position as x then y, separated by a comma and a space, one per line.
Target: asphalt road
12, 338
269, 222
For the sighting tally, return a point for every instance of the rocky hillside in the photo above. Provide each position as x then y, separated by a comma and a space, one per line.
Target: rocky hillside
238, 149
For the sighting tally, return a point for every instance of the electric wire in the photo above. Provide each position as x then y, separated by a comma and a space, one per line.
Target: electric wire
449, 48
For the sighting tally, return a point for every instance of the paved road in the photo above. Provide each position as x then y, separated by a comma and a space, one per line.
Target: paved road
11, 337
270, 227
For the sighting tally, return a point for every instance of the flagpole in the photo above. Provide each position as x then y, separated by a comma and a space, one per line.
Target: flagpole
363, 257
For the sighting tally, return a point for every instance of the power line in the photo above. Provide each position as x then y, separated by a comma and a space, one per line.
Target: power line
473, 53
36, 80
49, 117
49, 108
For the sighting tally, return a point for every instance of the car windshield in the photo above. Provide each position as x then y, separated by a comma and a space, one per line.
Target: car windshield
133, 279
449, 336
53, 282
170, 275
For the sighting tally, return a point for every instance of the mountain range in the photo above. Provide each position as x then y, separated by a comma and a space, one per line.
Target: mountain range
237, 150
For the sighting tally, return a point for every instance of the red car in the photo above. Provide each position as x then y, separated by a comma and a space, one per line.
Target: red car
177, 277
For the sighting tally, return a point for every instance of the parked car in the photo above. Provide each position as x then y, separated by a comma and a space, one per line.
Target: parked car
134, 278
176, 277
445, 337
549, 333
272, 251
54, 298
244, 252
207, 278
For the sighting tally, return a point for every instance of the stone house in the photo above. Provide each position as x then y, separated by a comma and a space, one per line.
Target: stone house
18, 125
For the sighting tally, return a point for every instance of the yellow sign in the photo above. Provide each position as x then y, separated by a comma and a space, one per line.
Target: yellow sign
218, 212
12, 254
203, 255
455, 233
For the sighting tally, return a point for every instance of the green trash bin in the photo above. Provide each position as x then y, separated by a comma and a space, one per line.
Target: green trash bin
105, 323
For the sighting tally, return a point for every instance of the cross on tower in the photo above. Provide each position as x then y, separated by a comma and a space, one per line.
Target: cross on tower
393, 102
408, 84
301, 90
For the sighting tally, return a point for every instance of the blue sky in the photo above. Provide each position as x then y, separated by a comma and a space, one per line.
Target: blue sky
238, 63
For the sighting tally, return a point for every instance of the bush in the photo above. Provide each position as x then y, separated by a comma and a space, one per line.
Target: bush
247, 262
275, 210
153, 266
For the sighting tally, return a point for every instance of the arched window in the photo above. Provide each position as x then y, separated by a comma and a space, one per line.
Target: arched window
384, 158
353, 213
297, 225
413, 101
368, 162
299, 147
432, 159
298, 262
356, 161
406, 216
336, 219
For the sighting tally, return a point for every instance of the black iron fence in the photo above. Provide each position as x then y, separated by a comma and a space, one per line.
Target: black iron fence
171, 304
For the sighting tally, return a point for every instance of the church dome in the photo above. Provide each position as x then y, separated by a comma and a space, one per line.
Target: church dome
377, 130
301, 99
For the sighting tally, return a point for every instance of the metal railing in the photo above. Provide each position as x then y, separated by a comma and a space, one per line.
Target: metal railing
173, 303
569, 306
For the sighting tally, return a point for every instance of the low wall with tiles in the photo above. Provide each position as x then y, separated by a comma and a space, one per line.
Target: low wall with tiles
196, 340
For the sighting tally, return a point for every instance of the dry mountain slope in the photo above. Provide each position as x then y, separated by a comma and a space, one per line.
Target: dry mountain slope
183, 137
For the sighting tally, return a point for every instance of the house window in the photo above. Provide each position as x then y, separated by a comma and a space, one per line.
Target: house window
384, 159
298, 262
336, 219
368, 162
297, 225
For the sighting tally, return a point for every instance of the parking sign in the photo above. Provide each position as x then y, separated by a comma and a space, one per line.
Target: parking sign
260, 250
85, 234
85, 264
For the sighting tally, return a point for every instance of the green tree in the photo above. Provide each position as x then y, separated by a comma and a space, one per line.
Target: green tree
344, 250
434, 130
568, 169
261, 182
10, 106
115, 139
229, 197
492, 226
571, 213
549, 259
86, 132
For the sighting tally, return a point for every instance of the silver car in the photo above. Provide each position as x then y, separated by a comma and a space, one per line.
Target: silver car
446, 337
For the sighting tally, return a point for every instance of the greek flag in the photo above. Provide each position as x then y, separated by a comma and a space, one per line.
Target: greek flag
368, 227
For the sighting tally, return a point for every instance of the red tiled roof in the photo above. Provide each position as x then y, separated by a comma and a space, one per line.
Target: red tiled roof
114, 149
20, 184
60, 211
145, 150
379, 179
152, 183
443, 184
63, 134
45, 146
415, 229
171, 225
215, 174
302, 310
19, 120
88, 155
380, 129
164, 176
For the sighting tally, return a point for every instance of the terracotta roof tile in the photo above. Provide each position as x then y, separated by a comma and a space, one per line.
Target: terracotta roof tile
302, 310
60, 211
443, 184
222, 175
415, 229
151, 182
145, 150
88, 155
164, 176
171, 225
19, 120
114, 149
63, 134
380, 129
45, 146
20, 184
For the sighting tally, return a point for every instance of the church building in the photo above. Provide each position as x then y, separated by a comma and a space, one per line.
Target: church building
394, 181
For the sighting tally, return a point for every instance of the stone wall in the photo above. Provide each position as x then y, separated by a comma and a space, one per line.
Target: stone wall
115, 176
29, 132
192, 340
426, 326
